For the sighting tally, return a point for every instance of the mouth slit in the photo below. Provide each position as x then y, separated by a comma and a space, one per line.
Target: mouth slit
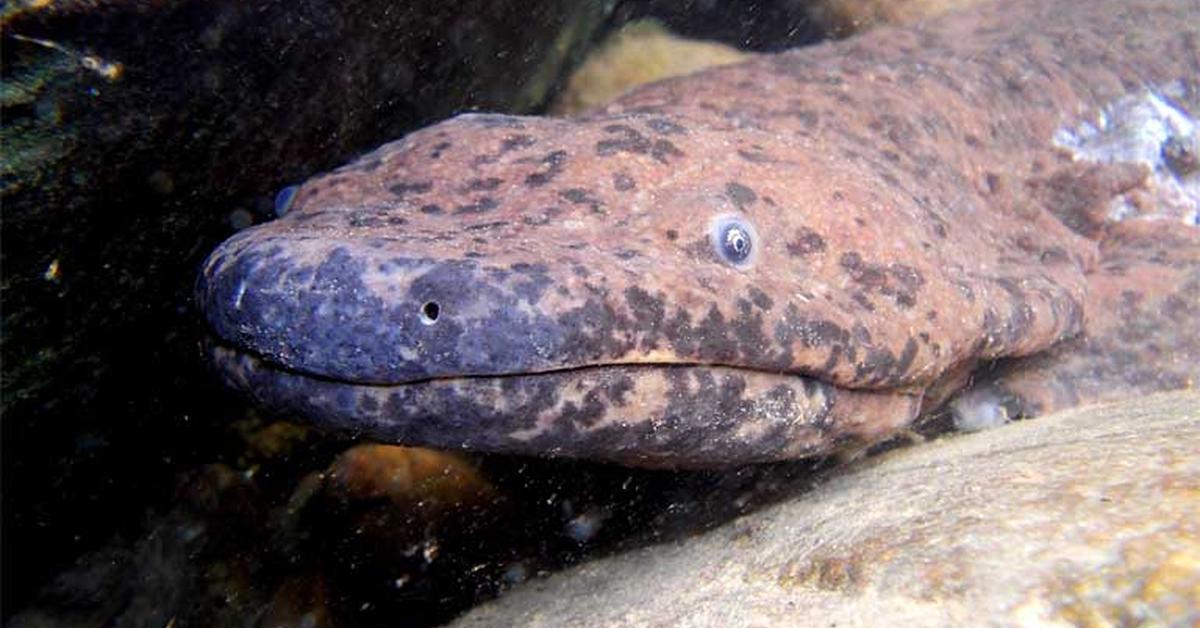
267, 363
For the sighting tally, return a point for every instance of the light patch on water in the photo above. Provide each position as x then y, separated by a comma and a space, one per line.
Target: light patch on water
1147, 128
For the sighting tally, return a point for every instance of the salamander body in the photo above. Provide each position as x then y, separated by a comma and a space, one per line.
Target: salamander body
761, 261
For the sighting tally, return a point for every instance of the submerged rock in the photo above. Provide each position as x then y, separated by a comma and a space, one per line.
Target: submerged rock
1084, 517
641, 52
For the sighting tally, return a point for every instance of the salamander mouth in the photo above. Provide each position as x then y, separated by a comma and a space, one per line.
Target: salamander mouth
644, 414
224, 354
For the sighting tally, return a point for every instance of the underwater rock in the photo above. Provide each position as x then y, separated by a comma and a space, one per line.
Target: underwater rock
402, 497
409, 477
846, 17
644, 51
1088, 517
641, 52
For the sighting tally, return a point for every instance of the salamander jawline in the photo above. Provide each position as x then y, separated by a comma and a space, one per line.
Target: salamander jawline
224, 352
659, 415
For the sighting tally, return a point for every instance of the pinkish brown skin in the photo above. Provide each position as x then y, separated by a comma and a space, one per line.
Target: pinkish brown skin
1143, 312
558, 287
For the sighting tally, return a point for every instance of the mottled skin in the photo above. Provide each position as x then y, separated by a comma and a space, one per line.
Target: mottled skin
909, 215
1141, 334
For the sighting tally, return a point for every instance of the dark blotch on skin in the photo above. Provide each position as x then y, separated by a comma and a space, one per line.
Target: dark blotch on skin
808, 118
648, 310
876, 365
936, 224
482, 185
481, 205
431, 209
993, 182
755, 156
515, 142
552, 166
908, 276
898, 130
405, 188
629, 140
526, 268
587, 414
542, 217
510, 143
865, 274
664, 150
809, 333
760, 299
580, 196
1054, 256
898, 281
363, 219
863, 300
665, 127
741, 195
618, 388
906, 359
805, 243
438, 149
485, 226
622, 182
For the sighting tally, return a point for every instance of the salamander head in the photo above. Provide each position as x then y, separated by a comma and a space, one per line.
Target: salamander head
624, 287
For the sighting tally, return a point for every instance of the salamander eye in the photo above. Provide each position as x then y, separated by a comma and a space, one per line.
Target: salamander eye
733, 238
736, 242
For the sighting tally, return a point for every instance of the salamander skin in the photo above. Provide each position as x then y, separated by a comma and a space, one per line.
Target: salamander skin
759, 262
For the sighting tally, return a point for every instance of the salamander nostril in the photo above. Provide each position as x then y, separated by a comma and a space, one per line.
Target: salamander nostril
430, 312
